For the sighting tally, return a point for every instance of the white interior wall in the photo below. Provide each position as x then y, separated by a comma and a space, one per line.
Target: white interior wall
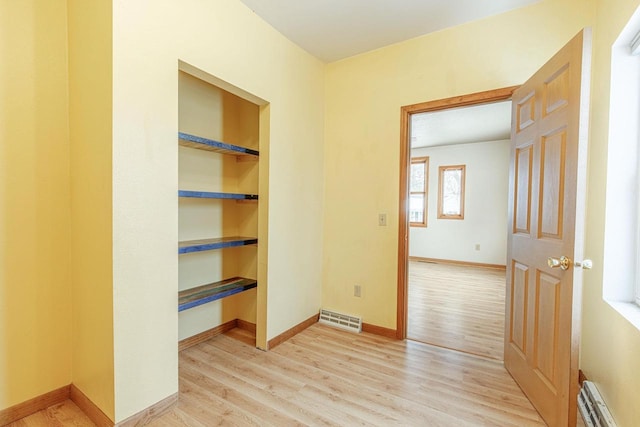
485, 209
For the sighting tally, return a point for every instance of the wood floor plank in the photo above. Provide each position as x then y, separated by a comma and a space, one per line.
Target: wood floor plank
457, 307
208, 409
232, 393
65, 414
243, 335
176, 418
382, 406
242, 401
277, 389
304, 377
419, 389
319, 382
491, 376
267, 397
253, 373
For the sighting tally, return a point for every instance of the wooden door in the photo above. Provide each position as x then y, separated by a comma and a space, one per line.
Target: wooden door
547, 196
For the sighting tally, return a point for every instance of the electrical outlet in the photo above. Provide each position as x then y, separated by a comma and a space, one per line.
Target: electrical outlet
382, 220
477, 246
357, 291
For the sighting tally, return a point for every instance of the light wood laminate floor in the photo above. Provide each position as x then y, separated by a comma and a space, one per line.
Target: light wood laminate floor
65, 414
457, 307
325, 376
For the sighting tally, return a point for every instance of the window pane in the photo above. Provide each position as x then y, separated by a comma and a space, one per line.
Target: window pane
451, 189
417, 177
416, 208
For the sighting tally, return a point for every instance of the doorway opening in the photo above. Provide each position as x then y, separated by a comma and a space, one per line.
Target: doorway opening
452, 237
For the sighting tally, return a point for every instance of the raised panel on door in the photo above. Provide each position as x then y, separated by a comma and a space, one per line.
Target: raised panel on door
552, 180
555, 92
519, 306
525, 112
547, 305
522, 208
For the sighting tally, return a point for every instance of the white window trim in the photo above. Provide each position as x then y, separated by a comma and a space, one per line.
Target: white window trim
637, 224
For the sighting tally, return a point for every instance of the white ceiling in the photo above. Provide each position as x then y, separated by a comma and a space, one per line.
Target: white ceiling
336, 29
479, 123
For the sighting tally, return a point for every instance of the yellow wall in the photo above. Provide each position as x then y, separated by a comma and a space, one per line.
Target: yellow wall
90, 103
35, 303
225, 39
362, 133
334, 133
89, 187
364, 95
610, 344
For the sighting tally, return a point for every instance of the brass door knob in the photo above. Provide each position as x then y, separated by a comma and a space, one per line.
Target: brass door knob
564, 263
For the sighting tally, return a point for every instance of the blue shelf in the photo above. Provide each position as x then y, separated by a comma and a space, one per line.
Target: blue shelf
213, 291
212, 244
211, 195
187, 140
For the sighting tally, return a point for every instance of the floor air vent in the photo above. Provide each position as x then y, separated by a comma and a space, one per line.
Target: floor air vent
594, 411
342, 321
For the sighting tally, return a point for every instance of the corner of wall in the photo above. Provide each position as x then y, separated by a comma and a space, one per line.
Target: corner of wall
90, 126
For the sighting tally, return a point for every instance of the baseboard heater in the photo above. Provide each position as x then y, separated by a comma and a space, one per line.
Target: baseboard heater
592, 408
342, 321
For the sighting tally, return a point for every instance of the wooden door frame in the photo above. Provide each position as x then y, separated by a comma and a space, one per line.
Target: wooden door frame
485, 97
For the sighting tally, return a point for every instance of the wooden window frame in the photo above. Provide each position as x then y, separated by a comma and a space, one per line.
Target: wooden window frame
441, 172
425, 193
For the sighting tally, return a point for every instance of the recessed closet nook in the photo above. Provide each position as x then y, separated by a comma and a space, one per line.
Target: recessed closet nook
222, 207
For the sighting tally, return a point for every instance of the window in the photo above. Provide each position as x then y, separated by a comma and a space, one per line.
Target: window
621, 286
451, 192
419, 182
